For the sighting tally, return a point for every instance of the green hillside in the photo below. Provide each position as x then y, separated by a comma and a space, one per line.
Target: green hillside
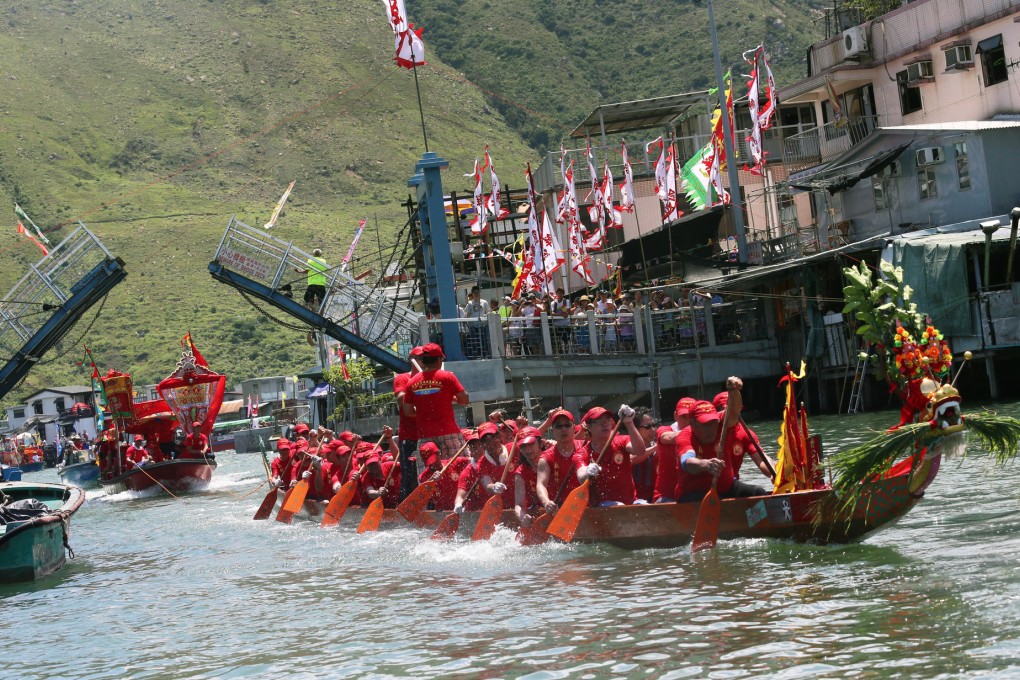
155, 121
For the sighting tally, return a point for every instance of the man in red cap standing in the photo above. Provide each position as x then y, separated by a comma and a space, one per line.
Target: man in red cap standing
429, 397
706, 451
746, 441
407, 431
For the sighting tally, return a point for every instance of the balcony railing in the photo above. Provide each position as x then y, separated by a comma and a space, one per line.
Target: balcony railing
644, 332
821, 144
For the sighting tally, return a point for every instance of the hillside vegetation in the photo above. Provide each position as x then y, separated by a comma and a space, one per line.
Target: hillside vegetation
155, 121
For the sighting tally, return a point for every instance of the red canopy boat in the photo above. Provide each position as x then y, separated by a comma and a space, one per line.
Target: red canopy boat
182, 474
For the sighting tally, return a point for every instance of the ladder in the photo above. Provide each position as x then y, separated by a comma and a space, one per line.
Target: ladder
857, 388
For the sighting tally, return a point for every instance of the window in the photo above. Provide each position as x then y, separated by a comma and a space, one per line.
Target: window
962, 168
18, 413
37, 408
926, 182
883, 185
59, 403
910, 97
993, 60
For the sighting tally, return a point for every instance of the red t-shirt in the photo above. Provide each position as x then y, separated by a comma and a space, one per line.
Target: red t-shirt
432, 393
392, 496
486, 467
135, 454
563, 468
408, 428
196, 443
744, 443
667, 472
154, 452
616, 481
280, 466
446, 493
688, 483
529, 477
476, 497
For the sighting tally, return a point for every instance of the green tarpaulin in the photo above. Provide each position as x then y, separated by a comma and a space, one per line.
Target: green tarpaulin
938, 275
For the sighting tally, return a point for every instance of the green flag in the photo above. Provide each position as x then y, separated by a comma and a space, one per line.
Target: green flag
695, 181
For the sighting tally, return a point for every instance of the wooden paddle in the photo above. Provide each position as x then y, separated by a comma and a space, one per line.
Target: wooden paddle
568, 517
419, 499
285, 515
341, 500
448, 527
373, 516
295, 498
492, 511
706, 531
339, 503
538, 532
269, 502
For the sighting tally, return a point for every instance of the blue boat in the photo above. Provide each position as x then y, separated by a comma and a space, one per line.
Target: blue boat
85, 475
34, 523
9, 473
32, 467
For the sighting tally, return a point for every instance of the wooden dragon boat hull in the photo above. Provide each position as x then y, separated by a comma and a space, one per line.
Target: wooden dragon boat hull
34, 548
791, 516
84, 475
179, 475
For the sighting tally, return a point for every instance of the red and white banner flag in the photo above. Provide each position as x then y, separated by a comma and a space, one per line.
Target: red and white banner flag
494, 201
660, 169
627, 188
754, 144
671, 209
480, 222
568, 210
33, 239
407, 42
596, 212
766, 115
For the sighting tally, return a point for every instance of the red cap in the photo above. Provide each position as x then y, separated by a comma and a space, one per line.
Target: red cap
301, 428
704, 412
562, 413
528, 435
346, 437
595, 413
720, 400
301, 444
282, 444
139, 438
683, 407
429, 453
470, 435
417, 351
432, 350
510, 425
372, 458
340, 450
197, 424
487, 428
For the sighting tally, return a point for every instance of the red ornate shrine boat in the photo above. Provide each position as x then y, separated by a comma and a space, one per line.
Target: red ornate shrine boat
190, 396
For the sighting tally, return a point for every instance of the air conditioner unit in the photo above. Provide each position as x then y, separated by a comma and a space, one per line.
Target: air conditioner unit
920, 71
959, 57
930, 155
855, 43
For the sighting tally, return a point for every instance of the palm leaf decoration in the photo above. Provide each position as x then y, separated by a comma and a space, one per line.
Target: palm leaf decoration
998, 435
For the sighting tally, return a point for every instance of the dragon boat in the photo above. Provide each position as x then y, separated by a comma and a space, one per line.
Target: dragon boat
35, 520
84, 475
189, 401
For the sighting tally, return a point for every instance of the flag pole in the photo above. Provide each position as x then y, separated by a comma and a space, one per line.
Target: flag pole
738, 218
417, 90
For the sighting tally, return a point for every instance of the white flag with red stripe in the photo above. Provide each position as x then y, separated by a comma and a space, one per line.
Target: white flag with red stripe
480, 221
660, 169
494, 201
407, 43
627, 188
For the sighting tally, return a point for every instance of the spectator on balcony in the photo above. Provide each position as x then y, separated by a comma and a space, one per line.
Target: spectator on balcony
625, 314
559, 313
477, 335
531, 312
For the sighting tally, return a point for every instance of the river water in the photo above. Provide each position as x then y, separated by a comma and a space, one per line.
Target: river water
193, 588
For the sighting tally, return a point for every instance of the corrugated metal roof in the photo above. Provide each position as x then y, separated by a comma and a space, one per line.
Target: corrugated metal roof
958, 126
640, 114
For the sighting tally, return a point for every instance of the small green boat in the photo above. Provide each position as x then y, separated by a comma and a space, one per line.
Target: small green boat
33, 536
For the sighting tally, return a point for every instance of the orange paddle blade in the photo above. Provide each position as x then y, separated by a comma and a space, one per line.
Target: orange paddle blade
706, 531
447, 528
424, 520
489, 517
268, 503
292, 503
370, 522
417, 500
537, 533
339, 503
283, 515
564, 524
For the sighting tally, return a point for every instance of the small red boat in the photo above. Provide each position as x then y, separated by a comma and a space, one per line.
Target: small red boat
180, 475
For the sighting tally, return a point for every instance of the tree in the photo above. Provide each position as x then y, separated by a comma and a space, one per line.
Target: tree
354, 389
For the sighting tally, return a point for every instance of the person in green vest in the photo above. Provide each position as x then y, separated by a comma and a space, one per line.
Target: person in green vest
315, 292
